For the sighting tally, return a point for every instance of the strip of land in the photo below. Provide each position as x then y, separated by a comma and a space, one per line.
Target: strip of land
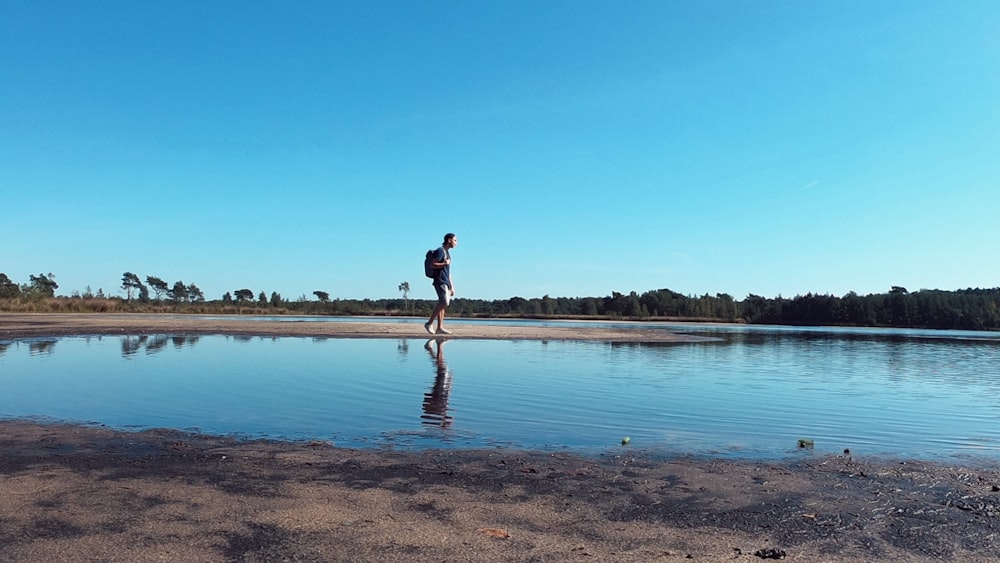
13, 326
83, 493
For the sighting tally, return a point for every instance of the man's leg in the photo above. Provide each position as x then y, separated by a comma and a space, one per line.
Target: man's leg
429, 325
444, 299
435, 315
438, 313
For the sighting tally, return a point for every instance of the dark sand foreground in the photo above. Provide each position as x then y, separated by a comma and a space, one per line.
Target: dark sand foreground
72, 493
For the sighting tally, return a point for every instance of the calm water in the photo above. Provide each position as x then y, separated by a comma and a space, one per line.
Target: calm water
752, 392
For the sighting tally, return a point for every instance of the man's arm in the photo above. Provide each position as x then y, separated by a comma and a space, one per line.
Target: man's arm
442, 259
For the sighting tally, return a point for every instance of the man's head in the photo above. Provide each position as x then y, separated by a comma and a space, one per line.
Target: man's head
450, 240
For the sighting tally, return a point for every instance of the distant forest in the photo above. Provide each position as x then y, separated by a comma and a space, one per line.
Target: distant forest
968, 309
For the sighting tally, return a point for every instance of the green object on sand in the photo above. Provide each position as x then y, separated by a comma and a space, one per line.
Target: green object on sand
626, 440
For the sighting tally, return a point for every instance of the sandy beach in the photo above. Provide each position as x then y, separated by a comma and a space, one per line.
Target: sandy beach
76, 493
34, 325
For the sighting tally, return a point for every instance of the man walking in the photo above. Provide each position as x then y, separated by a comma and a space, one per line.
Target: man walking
443, 284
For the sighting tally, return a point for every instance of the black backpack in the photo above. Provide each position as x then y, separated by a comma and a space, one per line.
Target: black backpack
429, 269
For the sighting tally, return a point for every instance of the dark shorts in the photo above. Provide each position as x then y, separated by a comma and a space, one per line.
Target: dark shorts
444, 294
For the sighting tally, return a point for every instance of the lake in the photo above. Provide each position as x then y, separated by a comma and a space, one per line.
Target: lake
749, 392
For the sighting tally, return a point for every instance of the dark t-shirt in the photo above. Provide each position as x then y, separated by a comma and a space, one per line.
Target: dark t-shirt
443, 276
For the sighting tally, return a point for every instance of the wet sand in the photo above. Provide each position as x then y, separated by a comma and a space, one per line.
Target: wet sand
75, 493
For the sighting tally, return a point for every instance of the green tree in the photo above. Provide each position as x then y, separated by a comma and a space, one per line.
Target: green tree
179, 292
262, 298
726, 307
243, 295
548, 306
159, 286
405, 288
519, 306
322, 296
195, 294
8, 288
130, 283
275, 299
43, 285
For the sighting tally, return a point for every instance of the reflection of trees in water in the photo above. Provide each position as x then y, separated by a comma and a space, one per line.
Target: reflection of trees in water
3, 347
436, 400
132, 344
182, 341
39, 347
156, 344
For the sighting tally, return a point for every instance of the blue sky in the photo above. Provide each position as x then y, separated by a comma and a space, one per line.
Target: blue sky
577, 148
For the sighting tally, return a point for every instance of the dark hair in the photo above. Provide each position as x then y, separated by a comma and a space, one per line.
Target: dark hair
449, 236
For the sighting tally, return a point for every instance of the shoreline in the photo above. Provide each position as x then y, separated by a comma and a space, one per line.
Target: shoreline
20, 325
78, 492
75, 493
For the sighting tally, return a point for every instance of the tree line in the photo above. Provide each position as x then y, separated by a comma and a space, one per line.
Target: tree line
966, 309
970, 309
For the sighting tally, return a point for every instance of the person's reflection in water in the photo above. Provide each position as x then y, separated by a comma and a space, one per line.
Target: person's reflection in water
436, 401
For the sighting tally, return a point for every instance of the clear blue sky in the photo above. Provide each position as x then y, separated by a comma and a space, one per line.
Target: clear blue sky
577, 148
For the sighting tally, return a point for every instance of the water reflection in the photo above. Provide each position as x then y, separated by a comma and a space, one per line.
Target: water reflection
133, 344
748, 392
753, 335
156, 344
182, 341
42, 347
436, 401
